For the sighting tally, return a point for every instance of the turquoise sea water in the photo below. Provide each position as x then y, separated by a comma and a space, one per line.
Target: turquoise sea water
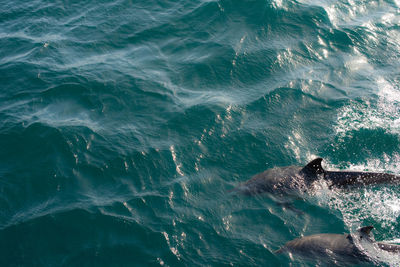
124, 124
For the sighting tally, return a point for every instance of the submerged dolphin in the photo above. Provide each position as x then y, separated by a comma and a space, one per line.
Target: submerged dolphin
295, 179
339, 246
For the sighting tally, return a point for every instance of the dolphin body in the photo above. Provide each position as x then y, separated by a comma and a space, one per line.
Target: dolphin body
339, 246
295, 179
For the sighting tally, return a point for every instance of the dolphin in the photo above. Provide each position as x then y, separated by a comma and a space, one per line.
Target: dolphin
340, 246
295, 179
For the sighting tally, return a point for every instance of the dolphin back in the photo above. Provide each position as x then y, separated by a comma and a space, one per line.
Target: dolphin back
345, 178
389, 247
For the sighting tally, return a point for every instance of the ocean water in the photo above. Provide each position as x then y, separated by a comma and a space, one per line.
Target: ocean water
124, 124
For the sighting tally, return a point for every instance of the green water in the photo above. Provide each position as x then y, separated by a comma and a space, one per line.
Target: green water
124, 124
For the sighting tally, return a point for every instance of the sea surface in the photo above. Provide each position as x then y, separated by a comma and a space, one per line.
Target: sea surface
125, 124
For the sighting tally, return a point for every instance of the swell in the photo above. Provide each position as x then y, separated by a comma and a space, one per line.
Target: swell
123, 124
73, 236
47, 166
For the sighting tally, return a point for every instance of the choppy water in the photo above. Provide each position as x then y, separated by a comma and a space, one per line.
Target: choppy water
123, 125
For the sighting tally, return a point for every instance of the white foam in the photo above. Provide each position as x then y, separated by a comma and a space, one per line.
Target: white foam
385, 114
357, 63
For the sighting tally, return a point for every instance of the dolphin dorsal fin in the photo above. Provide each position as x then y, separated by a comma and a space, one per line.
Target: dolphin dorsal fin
366, 229
314, 167
365, 233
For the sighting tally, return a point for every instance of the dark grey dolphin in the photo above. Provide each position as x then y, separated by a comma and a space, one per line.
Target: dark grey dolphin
283, 180
339, 246
295, 179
